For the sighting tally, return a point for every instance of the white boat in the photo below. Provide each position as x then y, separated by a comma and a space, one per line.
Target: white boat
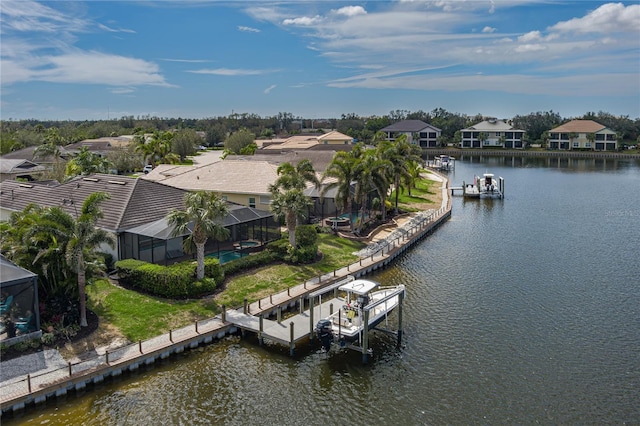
362, 297
443, 163
485, 186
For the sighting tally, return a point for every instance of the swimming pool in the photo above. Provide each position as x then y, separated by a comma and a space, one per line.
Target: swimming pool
225, 256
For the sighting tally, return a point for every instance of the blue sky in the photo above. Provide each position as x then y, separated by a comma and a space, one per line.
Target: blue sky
73, 60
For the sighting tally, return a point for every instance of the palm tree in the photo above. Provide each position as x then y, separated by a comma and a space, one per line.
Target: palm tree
289, 205
410, 179
287, 192
371, 174
401, 153
201, 218
81, 238
341, 169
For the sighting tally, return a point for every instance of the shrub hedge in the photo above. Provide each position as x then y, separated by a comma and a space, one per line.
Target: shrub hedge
173, 281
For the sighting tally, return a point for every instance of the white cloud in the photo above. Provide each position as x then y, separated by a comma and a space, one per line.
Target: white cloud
524, 48
608, 18
229, 71
99, 68
304, 21
269, 89
115, 30
122, 90
350, 11
488, 30
39, 44
248, 29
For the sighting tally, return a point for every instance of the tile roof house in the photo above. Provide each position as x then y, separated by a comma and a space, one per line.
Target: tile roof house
492, 133
100, 146
332, 140
19, 169
418, 132
245, 179
583, 134
134, 204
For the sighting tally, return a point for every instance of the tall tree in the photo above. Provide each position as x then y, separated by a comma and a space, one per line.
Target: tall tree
287, 192
371, 174
401, 153
202, 219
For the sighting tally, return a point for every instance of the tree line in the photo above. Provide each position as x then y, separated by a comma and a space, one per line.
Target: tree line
19, 134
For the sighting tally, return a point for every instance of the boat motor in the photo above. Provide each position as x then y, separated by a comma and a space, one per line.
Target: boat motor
324, 333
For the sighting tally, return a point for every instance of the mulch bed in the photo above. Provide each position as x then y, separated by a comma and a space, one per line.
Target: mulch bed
92, 320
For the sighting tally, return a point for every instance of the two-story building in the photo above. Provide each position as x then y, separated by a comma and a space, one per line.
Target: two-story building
583, 135
418, 133
492, 133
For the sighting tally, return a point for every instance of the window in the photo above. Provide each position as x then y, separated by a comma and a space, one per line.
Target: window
466, 135
432, 135
599, 136
224, 198
264, 199
576, 144
508, 135
252, 202
587, 145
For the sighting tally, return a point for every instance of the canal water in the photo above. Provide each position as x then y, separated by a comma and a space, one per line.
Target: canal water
518, 311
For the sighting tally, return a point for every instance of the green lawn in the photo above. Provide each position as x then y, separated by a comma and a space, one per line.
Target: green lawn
140, 317
421, 195
336, 253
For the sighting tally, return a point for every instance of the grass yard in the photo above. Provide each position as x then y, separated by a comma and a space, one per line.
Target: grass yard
336, 253
424, 197
140, 317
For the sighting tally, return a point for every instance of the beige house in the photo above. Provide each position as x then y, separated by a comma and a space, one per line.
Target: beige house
331, 140
242, 182
583, 135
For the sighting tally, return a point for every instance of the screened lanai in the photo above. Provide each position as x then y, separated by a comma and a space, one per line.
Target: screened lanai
153, 242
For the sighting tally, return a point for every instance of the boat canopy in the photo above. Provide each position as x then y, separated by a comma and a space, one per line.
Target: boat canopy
362, 287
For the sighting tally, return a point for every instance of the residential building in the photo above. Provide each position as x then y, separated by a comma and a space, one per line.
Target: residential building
583, 135
135, 214
418, 133
19, 169
492, 133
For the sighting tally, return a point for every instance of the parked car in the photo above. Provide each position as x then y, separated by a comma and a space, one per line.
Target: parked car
147, 168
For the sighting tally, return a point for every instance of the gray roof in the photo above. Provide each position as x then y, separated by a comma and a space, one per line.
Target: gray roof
409, 126
237, 214
12, 273
133, 201
19, 166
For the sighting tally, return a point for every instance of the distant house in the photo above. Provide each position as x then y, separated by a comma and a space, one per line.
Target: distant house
134, 213
492, 133
100, 146
19, 169
418, 133
583, 134
332, 140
